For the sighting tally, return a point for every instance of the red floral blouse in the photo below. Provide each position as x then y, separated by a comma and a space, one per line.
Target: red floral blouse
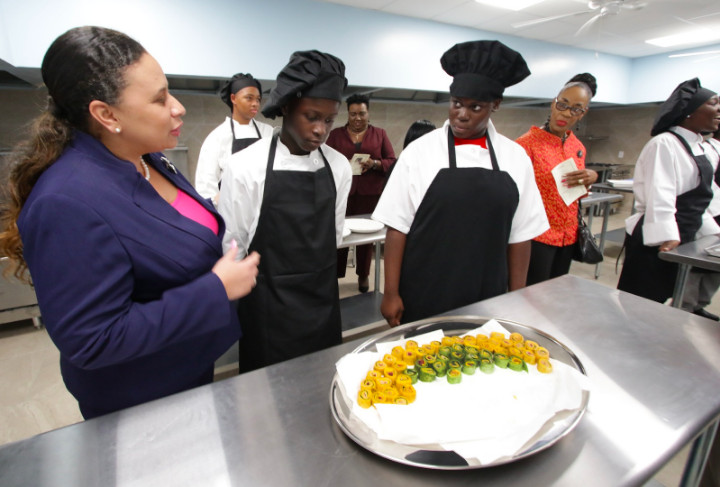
547, 151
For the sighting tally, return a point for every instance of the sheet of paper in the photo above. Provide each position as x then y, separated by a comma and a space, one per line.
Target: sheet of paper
355, 163
567, 194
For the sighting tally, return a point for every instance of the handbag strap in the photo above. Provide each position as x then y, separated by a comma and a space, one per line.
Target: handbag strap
581, 221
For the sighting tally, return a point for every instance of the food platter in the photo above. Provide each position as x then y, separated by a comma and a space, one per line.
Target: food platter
433, 456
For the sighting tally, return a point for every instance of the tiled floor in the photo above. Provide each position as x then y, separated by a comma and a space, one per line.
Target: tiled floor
34, 399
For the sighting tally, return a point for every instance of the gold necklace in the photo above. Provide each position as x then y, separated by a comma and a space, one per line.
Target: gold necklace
357, 135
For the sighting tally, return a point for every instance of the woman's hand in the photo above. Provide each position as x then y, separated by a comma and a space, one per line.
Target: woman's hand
367, 165
238, 277
583, 177
392, 308
669, 245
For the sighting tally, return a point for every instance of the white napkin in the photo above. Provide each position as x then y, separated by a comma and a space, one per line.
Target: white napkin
567, 194
484, 418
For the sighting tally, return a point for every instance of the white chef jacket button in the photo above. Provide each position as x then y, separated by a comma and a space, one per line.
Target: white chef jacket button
316, 162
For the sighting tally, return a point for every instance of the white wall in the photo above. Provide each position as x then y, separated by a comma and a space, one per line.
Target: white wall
217, 38
656, 76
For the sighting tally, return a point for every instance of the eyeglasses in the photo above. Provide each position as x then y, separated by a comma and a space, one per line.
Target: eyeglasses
564, 106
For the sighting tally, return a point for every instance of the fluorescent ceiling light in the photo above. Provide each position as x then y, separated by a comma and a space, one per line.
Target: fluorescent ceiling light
510, 4
699, 53
691, 37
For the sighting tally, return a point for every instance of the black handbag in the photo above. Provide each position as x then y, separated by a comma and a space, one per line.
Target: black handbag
586, 248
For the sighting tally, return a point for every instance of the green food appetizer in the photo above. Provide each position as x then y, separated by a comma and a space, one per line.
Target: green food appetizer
427, 374
413, 374
454, 376
440, 368
469, 367
487, 366
501, 360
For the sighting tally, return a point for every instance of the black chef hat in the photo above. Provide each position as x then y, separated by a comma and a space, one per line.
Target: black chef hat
684, 100
483, 69
237, 83
311, 74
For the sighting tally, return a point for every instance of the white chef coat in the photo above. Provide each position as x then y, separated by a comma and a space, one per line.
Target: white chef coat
215, 151
664, 171
420, 162
243, 186
713, 153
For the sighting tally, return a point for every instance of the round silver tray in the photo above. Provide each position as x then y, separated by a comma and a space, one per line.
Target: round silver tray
437, 458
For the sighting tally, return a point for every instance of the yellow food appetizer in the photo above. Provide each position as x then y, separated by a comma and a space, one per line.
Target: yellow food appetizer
399, 367
365, 399
390, 374
410, 357
367, 385
529, 357
542, 352
544, 366
403, 380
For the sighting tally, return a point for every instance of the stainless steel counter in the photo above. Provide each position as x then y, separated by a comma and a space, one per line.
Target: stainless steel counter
651, 368
691, 254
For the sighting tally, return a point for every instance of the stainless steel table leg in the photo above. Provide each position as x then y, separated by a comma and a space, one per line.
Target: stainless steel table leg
680, 281
698, 457
378, 251
37, 322
605, 211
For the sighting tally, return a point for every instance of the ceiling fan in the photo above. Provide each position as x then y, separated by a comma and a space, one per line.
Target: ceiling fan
601, 8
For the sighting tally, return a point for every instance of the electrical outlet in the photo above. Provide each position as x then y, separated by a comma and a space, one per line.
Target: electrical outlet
621, 154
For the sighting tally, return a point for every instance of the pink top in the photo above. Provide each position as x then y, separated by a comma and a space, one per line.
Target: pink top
188, 207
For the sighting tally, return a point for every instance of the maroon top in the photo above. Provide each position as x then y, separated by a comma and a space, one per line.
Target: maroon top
376, 143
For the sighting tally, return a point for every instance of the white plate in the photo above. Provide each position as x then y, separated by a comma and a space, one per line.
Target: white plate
346, 231
363, 225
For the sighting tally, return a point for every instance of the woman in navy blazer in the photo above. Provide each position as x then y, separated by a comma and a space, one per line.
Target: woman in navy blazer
134, 292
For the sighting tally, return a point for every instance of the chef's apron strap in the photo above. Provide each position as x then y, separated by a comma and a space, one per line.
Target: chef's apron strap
451, 151
271, 156
256, 130
716, 176
683, 142
232, 128
327, 166
493, 159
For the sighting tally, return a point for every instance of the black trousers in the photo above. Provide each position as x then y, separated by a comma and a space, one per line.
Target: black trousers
548, 261
643, 273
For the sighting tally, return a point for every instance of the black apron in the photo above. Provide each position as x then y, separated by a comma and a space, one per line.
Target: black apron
240, 144
456, 249
294, 309
644, 273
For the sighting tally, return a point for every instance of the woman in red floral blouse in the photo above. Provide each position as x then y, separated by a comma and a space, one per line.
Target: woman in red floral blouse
547, 147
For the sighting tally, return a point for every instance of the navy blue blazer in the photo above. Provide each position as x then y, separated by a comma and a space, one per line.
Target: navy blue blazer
123, 280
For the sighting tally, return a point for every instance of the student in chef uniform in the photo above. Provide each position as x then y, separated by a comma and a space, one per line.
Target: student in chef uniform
672, 188
242, 93
285, 197
462, 204
702, 284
